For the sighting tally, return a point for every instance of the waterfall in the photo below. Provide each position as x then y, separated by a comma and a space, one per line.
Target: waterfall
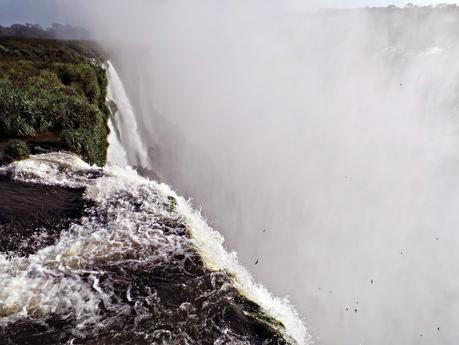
116, 154
126, 147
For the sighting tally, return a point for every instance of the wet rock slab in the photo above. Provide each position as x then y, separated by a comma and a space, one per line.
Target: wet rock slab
32, 215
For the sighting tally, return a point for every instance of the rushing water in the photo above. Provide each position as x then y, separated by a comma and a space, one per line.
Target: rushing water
129, 147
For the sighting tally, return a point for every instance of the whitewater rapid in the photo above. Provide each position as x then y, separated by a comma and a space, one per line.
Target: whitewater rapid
126, 224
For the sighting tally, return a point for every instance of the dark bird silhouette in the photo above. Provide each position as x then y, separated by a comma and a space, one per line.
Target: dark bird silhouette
372, 281
256, 262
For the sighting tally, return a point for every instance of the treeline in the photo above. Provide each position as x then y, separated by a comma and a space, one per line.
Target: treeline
56, 31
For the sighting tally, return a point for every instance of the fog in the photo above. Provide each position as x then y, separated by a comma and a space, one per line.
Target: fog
323, 144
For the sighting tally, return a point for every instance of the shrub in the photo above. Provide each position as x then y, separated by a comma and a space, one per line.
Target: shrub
90, 145
17, 149
54, 86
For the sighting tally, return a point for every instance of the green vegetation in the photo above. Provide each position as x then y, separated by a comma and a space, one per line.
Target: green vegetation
54, 88
17, 149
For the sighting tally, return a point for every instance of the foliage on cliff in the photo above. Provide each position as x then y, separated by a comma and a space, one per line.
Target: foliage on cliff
54, 89
17, 149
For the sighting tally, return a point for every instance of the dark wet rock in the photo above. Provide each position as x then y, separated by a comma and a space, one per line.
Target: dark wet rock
32, 215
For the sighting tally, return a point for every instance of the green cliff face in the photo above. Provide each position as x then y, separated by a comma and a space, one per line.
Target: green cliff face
54, 92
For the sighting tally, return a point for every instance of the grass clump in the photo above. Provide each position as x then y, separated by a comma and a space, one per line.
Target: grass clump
17, 149
54, 87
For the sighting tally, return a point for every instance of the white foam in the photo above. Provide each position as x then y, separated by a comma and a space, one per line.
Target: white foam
42, 285
57, 168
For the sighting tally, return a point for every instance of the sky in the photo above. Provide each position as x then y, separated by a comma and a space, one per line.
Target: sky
46, 12
34, 11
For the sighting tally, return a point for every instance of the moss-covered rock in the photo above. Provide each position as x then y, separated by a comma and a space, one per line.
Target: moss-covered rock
17, 149
172, 203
